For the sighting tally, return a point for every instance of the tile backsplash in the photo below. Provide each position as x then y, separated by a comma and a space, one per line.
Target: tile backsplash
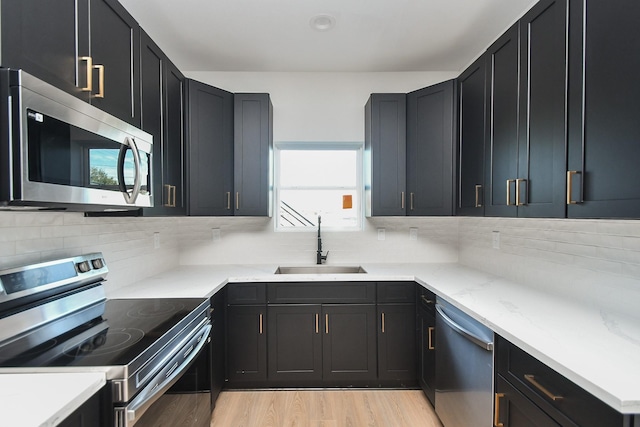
590, 257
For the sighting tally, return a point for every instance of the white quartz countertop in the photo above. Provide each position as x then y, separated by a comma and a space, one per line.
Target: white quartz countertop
34, 400
591, 343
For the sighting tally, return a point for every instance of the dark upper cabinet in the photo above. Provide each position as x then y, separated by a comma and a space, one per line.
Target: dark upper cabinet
253, 154
88, 48
163, 117
385, 154
604, 103
397, 342
210, 150
430, 150
501, 144
526, 138
471, 134
543, 113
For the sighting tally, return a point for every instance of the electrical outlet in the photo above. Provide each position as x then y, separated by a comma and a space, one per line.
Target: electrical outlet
413, 234
215, 234
381, 234
495, 239
156, 240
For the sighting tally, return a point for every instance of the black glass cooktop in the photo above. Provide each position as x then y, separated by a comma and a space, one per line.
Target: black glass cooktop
127, 328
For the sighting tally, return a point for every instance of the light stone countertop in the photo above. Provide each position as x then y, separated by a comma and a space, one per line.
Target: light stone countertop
35, 400
591, 343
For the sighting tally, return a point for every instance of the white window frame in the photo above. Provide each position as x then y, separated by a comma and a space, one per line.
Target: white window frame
358, 147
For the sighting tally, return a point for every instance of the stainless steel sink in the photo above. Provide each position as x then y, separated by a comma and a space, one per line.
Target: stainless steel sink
321, 269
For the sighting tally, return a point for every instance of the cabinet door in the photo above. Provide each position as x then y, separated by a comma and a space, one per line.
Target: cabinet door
90, 414
40, 38
604, 144
173, 150
246, 343
513, 409
472, 104
385, 154
501, 154
542, 124
115, 44
396, 343
210, 147
430, 136
426, 352
295, 343
253, 154
349, 343
218, 356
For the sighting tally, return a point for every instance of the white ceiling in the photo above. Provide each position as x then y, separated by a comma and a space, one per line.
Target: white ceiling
369, 35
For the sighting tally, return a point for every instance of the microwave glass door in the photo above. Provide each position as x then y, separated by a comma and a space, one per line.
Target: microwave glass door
61, 153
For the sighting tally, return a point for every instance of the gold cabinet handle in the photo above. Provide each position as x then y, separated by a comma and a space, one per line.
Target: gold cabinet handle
478, 189
326, 323
570, 175
89, 73
532, 380
402, 199
100, 69
496, 413
167, 203
519, 181
431, 329
411, 197
426, 300
228, 200
383, 322
317, 323
260, 323
237, 200
509, 181
173, 196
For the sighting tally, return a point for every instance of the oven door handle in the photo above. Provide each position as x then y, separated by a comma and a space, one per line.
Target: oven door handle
137, 181
150, 394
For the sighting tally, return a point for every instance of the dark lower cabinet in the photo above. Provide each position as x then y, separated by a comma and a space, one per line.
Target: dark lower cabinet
246, 344
218, 349
426, 352
349, 344
529, 393
90, 414
604, 106
513, 409
396, 343
210, 150
295, 344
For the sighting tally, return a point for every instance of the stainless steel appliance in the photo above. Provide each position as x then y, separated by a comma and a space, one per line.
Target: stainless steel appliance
464, 362
155, 352
57, 151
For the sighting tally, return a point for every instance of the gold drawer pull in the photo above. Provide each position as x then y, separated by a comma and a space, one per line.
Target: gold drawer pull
570, 175
478, 189
89, 61
509, 181
532, 379
326, 323
383, 322
260, 323
518, 182
431, 329
496, 414
317, 323
426, 300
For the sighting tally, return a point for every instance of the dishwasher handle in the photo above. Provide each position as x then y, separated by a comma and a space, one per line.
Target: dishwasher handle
480, 342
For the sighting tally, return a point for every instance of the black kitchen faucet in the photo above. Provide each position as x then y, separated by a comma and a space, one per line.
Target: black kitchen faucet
319, 257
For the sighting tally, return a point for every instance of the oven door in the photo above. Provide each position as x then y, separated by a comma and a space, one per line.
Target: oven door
180, 394
70, 154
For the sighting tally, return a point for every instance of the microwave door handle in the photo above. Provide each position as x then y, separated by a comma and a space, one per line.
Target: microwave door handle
129, 143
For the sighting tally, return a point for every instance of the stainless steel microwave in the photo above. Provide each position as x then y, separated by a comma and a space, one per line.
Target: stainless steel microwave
58, 152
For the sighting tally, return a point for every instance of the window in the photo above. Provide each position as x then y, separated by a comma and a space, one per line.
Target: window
318, 179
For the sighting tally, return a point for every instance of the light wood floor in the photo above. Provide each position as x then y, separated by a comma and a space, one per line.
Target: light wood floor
324, 408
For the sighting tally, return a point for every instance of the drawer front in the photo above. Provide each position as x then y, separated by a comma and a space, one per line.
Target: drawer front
321, 293
549, 389
246, 293
425, 299
396, 292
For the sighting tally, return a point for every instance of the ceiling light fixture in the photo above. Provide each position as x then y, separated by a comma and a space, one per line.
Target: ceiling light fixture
322, 22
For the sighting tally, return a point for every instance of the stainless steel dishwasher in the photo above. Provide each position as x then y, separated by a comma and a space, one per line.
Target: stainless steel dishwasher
464, 369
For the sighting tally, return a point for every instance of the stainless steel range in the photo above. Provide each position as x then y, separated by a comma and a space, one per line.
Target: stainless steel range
54, 318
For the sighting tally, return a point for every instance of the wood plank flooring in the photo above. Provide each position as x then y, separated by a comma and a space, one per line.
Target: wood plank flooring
324, 408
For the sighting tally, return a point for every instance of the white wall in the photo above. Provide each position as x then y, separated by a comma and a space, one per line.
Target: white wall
320, 106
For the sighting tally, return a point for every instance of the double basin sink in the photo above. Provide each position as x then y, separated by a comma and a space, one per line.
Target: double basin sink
321, 269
